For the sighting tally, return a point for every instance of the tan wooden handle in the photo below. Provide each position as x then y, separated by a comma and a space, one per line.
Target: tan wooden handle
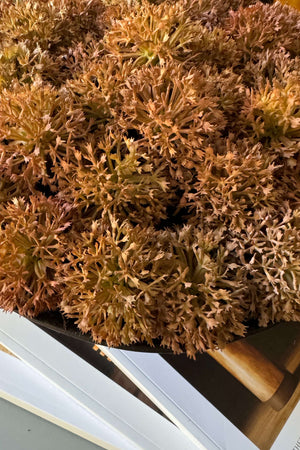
256, 372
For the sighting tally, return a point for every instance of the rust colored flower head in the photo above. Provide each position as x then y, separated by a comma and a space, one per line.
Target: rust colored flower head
173, 110
127, 284
273, 112
150, 33
32, 246
278, 27
33, 120
242, 182
97, 89
270, 255
51, 24
113, 176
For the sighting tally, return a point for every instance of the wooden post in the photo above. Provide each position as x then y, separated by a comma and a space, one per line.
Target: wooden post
256, 372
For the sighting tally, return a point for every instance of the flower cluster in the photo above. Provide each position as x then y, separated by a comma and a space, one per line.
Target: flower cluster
32, 247
150, 166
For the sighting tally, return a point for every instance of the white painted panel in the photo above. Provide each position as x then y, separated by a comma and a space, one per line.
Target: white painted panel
134, 420
289, 438
179, 400
26, 388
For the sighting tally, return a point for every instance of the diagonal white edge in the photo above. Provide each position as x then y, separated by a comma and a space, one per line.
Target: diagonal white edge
179, 400
140, 375
289, 437
120, 410
27, 389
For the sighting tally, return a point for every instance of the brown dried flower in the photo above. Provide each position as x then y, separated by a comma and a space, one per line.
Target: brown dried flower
32, 246
113, 176
150, 33
33, 118
172, 110
150, 166
127, 284
270, 254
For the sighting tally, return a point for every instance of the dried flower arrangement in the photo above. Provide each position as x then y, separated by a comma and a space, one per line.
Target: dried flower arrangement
150, 166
